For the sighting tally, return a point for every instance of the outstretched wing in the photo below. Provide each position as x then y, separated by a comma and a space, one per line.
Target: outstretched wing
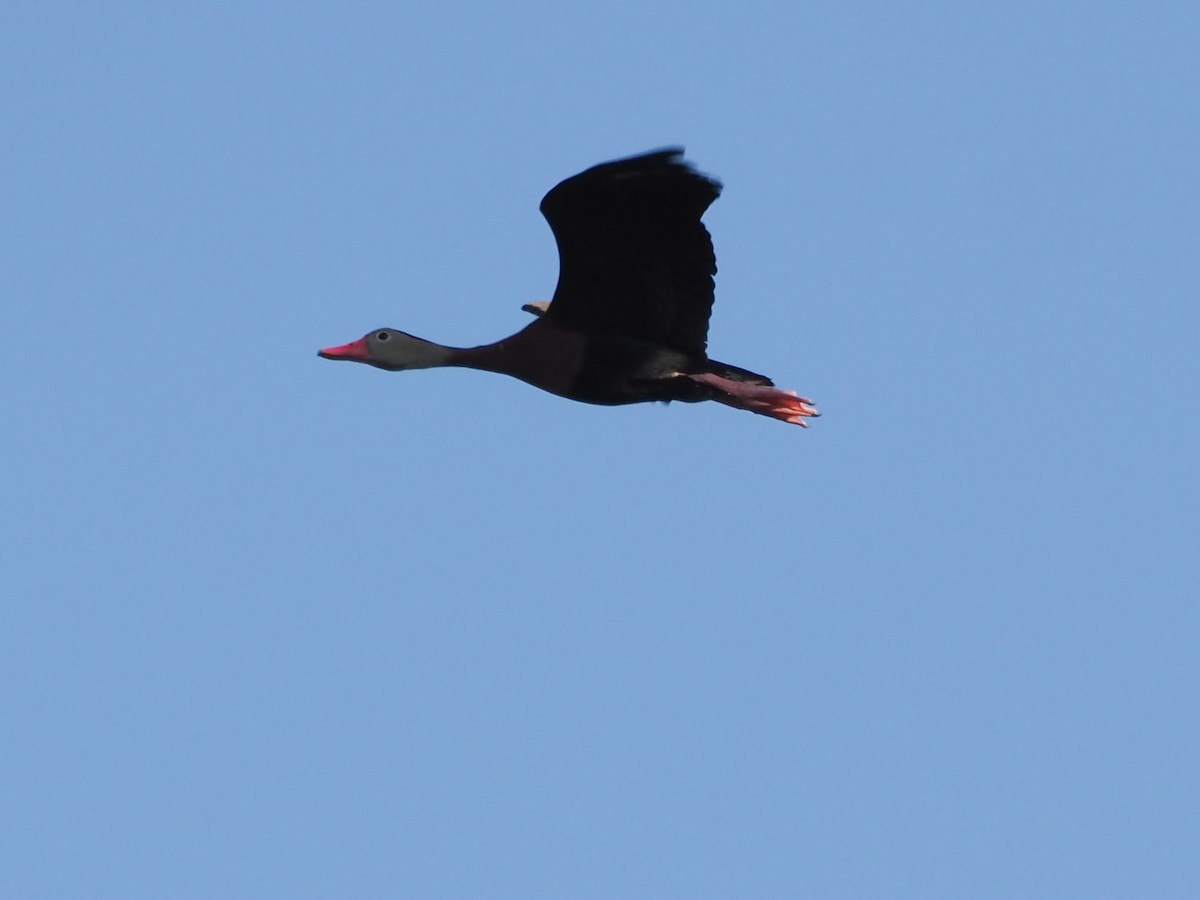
634, 259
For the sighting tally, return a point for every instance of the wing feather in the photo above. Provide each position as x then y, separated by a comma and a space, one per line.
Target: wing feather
634, 258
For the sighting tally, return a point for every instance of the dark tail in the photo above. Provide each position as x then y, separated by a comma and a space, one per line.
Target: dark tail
733, 373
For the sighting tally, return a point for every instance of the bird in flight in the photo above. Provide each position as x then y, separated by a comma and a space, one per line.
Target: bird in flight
628, 322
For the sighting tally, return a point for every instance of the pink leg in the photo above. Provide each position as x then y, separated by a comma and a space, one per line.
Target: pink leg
786, 406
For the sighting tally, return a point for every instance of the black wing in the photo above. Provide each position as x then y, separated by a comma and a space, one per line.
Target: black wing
634, 259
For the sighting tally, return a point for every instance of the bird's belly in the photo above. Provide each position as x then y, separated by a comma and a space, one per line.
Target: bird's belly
609, 370
616, 371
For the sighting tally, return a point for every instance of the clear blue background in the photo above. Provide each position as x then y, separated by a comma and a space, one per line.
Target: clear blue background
276, 627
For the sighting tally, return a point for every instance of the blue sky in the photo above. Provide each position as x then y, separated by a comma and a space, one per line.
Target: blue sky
276, 627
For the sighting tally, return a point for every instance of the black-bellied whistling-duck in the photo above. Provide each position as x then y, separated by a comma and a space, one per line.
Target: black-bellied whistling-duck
629, 318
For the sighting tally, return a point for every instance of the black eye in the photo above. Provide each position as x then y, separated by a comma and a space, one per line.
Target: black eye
382, 336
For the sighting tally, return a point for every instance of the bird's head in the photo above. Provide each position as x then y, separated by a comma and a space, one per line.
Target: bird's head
387, 348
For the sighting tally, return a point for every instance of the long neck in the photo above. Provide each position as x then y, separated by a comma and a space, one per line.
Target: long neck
488, 357
404, 351
417, 353
539, 354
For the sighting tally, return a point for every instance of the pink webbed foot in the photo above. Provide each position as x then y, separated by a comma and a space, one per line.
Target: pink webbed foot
786, 406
